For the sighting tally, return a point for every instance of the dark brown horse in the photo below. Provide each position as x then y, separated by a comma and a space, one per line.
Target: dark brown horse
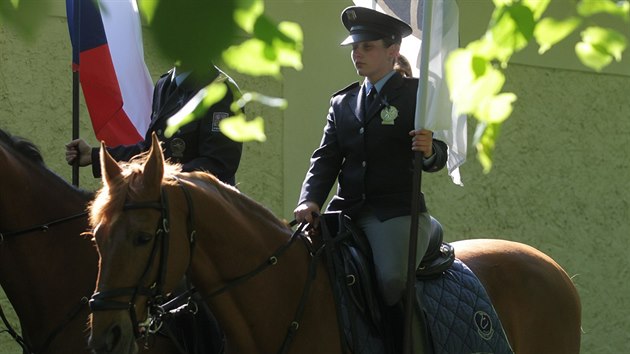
152, 224
47, 269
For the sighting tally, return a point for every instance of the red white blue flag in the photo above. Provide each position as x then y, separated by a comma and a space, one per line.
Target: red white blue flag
109, 57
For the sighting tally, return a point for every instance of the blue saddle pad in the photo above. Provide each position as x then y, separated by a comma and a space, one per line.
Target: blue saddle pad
460, 316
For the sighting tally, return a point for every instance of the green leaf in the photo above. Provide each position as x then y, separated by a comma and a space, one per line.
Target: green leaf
267, 31
599, 47
484, 48
485, 141
274, 47
459, 76
591, 56
248, 97
25, 16
511, 30
502, 3
550, 31
472, 80
238, 128
290, 53
616, 8
253, 57
186, 30
538, 7
610, 41
496, 109
147, 9
247, 13
196, 107
480, 94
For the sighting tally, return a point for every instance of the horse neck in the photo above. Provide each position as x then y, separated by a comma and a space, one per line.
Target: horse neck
31, 193
45, 274
234, 240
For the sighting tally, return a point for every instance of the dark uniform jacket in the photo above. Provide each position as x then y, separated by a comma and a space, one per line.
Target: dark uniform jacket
370, 155
199, 145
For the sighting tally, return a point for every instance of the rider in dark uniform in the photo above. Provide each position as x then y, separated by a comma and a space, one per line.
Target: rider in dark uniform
367, 149
198, 145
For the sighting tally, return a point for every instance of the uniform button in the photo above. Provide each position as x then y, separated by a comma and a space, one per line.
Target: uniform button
363, 163
159, 132
363, 196
361, 130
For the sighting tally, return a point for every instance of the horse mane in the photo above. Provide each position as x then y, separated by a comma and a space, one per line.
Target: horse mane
234, 197
23, 146
110, 199
27, 151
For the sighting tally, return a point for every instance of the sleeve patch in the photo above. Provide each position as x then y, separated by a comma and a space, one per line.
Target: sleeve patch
216, 119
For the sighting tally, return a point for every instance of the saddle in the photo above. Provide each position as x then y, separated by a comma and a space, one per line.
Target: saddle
351, 270
439, 255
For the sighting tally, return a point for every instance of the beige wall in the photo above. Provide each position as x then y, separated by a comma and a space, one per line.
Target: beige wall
560, 180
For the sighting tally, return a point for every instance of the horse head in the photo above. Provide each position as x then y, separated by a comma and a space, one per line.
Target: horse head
130, 220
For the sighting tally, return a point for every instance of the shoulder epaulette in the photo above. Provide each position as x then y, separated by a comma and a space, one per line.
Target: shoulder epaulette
411, 78
347, 88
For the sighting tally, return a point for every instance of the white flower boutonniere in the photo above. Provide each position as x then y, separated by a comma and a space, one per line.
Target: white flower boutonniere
388, 113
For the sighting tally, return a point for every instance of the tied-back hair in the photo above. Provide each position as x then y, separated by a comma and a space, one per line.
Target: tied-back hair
401, 64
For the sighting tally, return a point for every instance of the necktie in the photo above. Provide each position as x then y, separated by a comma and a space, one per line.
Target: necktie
370, 98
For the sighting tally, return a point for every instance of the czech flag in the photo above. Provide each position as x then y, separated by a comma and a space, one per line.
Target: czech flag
109, 57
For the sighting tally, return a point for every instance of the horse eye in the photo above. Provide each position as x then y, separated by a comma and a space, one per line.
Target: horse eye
142, 238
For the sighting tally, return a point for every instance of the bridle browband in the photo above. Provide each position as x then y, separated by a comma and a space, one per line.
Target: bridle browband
101, 300
26, 348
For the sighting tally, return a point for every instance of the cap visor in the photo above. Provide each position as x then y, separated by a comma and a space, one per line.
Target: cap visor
361, 37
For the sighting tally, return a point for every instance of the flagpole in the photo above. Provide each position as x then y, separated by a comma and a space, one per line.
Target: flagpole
420, 118
76, 49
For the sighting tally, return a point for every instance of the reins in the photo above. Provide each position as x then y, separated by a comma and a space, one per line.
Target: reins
26, 348
271, 261
42, 227
100, 300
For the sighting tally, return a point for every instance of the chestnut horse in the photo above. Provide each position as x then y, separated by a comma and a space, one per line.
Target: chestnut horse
152, 224
47, 269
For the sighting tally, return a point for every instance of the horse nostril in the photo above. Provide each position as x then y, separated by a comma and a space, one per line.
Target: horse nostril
113, 338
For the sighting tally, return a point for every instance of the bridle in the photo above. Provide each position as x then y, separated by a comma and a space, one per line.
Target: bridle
102, 300
43, 227
26, 348
156, 308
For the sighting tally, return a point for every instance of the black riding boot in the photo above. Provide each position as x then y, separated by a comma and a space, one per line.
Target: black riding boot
419, 331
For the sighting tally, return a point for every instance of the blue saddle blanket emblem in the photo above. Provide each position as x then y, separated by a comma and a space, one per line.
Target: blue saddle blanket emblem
459, 314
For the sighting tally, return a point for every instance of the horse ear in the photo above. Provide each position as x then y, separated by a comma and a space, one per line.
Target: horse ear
109, 166
154, 167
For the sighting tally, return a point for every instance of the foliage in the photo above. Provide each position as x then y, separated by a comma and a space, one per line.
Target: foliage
474, 74
249, 42
196, 33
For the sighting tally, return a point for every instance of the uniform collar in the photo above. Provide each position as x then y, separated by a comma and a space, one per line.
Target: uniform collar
380, 83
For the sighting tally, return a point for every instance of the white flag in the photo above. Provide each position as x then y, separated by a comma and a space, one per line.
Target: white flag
441, 115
